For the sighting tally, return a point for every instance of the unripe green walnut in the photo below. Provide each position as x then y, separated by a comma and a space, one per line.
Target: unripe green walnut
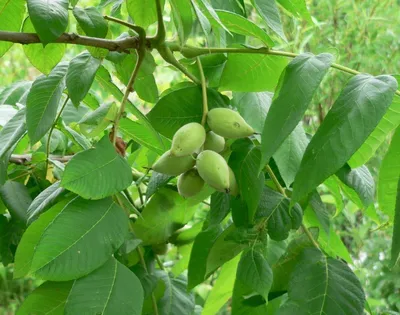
188, 139
214, 142
214, 170
233, 187
228, 124
173, 165
190, 183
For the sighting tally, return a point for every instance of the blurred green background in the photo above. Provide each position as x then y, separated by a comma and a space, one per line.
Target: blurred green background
361, 34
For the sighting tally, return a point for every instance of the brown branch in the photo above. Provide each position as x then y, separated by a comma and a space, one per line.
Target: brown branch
27, 158
121, 45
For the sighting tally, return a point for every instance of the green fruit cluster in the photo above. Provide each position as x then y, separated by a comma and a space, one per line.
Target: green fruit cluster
208, 166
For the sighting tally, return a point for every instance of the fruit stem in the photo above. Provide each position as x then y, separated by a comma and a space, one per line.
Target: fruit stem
282, 191
204, 91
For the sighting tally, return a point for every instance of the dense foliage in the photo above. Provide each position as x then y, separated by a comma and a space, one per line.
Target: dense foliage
172, 160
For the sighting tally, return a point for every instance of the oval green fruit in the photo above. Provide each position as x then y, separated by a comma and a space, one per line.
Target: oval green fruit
188, 139
214, 142
228, 124
213, 169
190, 183
173, 165
233, 186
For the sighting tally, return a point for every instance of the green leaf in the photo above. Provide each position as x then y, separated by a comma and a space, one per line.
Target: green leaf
222, 289
16, 197
225, 249
396, 230
157, 180
245, 161
253, 107
50, 21
80, 76
323, 285
63, 244
388, 176
46, 199
360, 180
176, 299
109, 285
203, 20
333, 186
143, 12
297, 85
15, 93
43, 100
165, 213
219, 208
167, 117
289, 155
240, 25
43, 58
198, 257
281, 219
91, 21
297, 8
97, 173
344, 129
389, 122
6, 113
251, 72
11, 17
183, 18
48, 299
212, 65
12, 132
269, 11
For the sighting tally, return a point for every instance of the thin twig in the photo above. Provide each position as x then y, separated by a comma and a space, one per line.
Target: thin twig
204, 91
160, 36
282, 191
118, 21
159, 262
51, 131
21, 159
121, 45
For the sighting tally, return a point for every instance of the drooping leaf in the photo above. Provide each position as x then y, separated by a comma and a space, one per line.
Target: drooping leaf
222, 288
268, 10
16, 197
281, 219
6, 113
219, 208
43, 58
240, 25
165, 213
360, 180
48, 299
388, 176
297, 85
203, 20
12, 132
50, 21
11, 17
71, 239
253, 107
213, 66
80, 76
344, 129
297, 8
167, 117
289, 155
43, 100
396, 230
91, 21
183, 18
245, 163
251, 72
323, 285
143, 12
389, 122
176, 300
15, 93
43, 201
114, 290
157, 180
211, 14
321, 212
97, 173
198, 257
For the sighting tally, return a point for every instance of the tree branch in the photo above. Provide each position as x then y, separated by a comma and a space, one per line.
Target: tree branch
121, 45
27, 158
